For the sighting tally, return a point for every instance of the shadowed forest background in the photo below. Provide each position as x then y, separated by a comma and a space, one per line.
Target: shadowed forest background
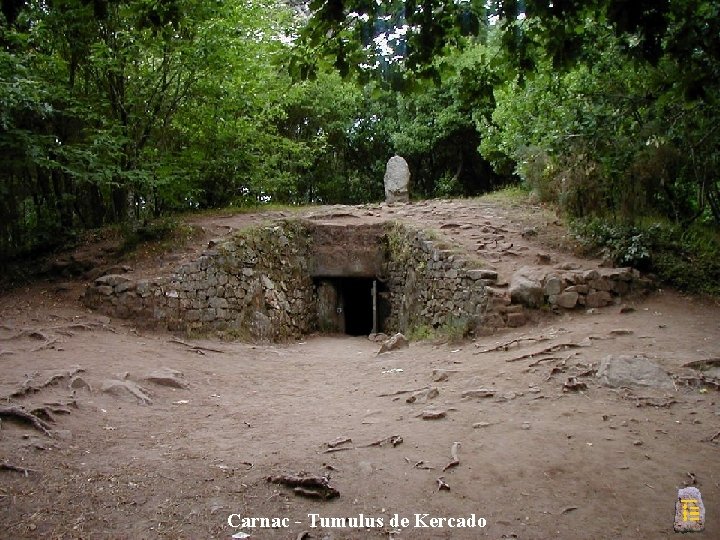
121, 112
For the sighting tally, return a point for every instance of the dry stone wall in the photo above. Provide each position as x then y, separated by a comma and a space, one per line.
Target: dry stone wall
433, 287
255, 286
258, 284
569, 287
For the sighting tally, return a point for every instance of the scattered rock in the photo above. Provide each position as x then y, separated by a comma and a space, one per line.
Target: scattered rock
377, 338
77, 383
167, 377
423, 396
398, 341
544, 258
478, 393
626, 309
433, 415
481, 424
125, 389
621, 332
440, 375
573, 385
516, 320
568, 266
482, 273
567, 300
111, 280
624, 370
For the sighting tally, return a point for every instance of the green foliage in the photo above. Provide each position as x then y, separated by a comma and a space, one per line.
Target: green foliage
688, 258
345, 33
435, 129
399, 244
455, 330
157, 230
421, 332
624, 245
120, 112
607, 137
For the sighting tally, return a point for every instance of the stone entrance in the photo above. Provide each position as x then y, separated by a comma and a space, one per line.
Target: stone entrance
353, 306
291, 278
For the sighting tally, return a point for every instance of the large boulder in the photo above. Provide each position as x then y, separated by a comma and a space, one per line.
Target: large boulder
526, 288
397, 180
625, 370
167, 377
567, 300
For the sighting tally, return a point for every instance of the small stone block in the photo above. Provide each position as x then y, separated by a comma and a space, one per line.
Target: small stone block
515, 320
689, 511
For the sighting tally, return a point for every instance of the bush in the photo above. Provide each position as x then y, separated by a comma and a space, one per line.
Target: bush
454, 331
686, 258
623, 244
148, 231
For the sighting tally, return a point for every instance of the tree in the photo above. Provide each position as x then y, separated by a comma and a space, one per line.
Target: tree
90, 95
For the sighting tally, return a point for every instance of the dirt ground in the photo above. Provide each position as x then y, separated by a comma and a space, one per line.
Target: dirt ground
534, 461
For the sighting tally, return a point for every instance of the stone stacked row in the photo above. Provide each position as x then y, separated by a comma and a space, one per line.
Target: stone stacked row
570, 288
254, 286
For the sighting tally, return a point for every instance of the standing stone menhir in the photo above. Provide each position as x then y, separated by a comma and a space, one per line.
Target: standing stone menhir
397, 179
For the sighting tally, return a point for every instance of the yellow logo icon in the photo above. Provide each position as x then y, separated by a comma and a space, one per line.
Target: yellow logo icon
690, 509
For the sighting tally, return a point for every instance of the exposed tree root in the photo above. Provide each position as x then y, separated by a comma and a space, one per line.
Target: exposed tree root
547, 350
340, 449
442, 485
25, 416
394, 440
49, 344
31, 386
5, 466
399, 392
505, 346
703, 364
48, 411
649, 401
454, 454
32, 334
197, 348
314, 487
337, 442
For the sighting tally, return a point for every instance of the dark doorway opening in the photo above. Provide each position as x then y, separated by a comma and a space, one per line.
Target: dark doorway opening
345, 305
357, 299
